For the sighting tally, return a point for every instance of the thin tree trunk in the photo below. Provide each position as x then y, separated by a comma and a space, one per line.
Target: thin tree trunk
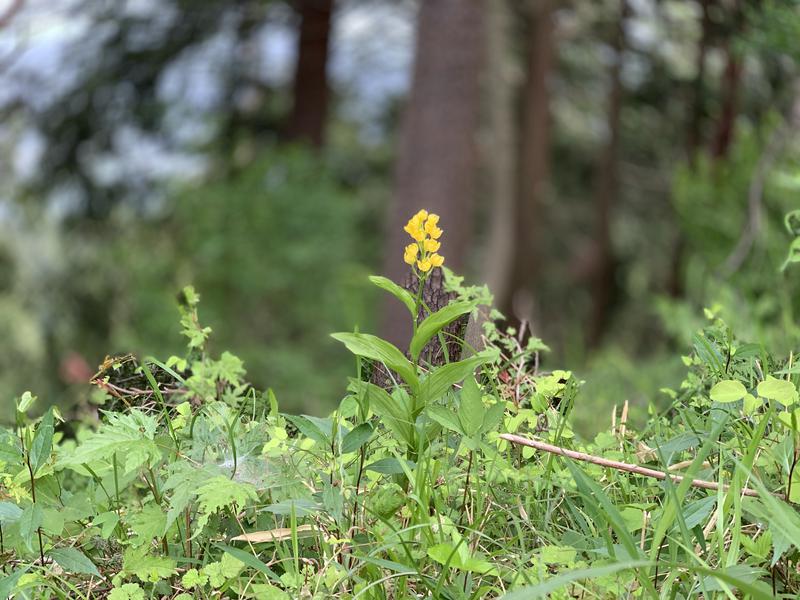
310, 88
607, 190
533, 163
437, 159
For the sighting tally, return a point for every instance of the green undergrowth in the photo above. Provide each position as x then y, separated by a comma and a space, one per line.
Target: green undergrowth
186, 482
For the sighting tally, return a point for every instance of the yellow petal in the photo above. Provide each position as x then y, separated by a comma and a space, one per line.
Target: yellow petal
424, 265
431, 245
435, 232
421, 216
437, 260
431, 223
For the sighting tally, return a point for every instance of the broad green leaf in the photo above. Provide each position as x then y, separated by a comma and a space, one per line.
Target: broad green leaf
434, 323
107, 521
395, 290
389, 466
309, 429
751, 404
221, 492
29, 521
394, 411
359, 436
42, 442
779, 390
728, 391
9, 512
493, 416
471, 410
445, 417
439, 381
790, 419
146, 567
73, 560
250, 560
147, 524
9, 582
373, 347
445, 554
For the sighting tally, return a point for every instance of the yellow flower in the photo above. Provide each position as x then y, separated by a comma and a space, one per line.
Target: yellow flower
436, 260
421, 216
431, 245
433, 231
410, 254
424, 265
431, 223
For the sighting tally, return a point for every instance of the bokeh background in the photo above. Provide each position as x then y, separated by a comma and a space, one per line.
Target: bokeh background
609, 167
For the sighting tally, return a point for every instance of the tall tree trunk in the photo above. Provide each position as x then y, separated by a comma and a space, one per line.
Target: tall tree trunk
533, 164
731, 79
607, 189
437, 156
499, 150
310, 88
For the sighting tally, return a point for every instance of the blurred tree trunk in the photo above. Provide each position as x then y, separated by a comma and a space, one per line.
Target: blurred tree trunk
731, 79
694, 133
533, 162
310, 88
607, 190
499, 144
437, 159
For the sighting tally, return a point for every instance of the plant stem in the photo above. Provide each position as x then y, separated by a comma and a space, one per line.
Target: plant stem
33, 497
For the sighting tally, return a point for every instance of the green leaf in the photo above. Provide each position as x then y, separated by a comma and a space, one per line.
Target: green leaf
493, 416
220, 492
434, 323
9, 583
73, 560
446, 418
42, 442
374, 348
359, 436
394, 411
389, 466
146, 567
779, 390
309, 429
29, 521
794, 254
107, 521
9, 512
728, 391
250, 560
395, 290
471, 410
439, 381
790, 419
445, 554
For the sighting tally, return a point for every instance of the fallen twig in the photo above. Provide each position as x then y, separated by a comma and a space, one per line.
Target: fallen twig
621, 466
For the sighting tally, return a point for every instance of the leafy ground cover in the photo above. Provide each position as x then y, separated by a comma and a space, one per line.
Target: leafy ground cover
190, 483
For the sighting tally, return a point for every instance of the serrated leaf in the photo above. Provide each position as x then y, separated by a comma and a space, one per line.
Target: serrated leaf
374, 348
146, 567
728, 391
42, 442
73, 560
221, 492
434, 323
359, 436
779, 390
395, 290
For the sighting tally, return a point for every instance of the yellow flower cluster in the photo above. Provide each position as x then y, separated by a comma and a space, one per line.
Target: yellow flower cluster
423, 229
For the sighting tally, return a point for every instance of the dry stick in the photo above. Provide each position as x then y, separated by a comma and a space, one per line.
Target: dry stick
621, 466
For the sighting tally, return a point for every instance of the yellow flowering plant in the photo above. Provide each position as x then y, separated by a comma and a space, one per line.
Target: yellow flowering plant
421, 385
